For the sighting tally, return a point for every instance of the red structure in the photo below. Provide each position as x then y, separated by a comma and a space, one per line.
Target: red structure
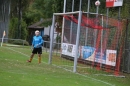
105, 40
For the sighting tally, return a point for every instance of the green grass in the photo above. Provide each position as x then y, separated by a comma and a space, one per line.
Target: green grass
15, 71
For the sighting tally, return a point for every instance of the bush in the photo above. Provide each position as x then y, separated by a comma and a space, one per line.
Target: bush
14, 32
19, 42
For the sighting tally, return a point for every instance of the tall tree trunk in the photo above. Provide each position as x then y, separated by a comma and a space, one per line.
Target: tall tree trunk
4, 16
19, 17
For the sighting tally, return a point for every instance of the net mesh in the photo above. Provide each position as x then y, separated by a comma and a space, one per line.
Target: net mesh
100, 46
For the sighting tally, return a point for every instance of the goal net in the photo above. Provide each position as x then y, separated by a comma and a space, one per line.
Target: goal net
100, 41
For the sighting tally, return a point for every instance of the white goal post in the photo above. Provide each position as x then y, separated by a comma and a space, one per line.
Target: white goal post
77, 37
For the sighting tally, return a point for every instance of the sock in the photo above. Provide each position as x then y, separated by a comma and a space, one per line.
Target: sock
39, 59
30, 59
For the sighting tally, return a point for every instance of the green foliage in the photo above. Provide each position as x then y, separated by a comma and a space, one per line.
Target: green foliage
125, 11
58, 39
39, 9
32, 15
15, 6
23, 30
58, 6
34, 10
19, 42
13, 29
48, 11
18, 26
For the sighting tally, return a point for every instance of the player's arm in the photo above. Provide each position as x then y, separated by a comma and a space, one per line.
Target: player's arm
33, 43
41, 41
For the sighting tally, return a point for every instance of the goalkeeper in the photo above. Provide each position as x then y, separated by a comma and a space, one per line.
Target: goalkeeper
37, 46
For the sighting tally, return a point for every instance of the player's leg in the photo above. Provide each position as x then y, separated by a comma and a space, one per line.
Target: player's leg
39, 58
39, 54
32, 55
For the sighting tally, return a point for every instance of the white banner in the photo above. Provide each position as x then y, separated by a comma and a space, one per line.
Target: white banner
114, 3
111, 57
107, 57
68, 49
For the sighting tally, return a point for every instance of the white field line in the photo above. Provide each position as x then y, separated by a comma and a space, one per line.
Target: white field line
109, 84
23, 54
109, 75
72, 66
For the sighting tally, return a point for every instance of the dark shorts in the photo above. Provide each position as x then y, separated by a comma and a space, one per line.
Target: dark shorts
37, 51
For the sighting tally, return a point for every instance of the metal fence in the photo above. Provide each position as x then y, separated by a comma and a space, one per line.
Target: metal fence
8, 41
56, 47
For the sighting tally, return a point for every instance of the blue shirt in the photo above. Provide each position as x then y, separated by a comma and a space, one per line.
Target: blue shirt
37, 41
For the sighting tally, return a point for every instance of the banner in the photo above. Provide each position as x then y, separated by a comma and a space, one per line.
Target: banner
68, 49
100, 57
111, 57
107, 57
114, 3
88, 53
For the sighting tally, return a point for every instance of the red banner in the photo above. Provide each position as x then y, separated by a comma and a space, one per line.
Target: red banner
114, 3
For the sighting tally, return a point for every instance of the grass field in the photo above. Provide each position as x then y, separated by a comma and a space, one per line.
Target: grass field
15, 71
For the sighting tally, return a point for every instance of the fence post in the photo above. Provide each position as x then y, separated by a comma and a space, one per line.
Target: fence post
46, 46
23, 42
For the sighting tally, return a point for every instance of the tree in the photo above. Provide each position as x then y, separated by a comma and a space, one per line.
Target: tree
39, 9
58, 6
13, 31
32, 11
18, 7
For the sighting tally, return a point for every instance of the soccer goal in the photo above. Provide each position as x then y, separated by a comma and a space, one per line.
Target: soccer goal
88, 40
